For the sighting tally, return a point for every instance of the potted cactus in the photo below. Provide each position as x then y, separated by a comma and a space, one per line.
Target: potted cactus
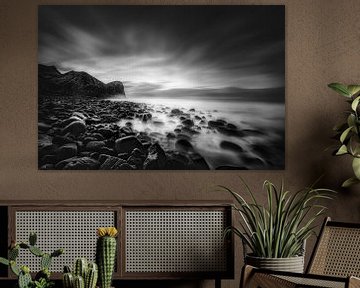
84, 275
106, 254
42, 278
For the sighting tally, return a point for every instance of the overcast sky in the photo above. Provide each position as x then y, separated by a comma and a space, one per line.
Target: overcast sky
158, 48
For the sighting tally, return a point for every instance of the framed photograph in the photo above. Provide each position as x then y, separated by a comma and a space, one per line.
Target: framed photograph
157, 87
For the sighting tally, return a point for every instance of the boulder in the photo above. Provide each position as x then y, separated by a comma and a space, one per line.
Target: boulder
183, 145
199, 163
156, 158
43, 127
176, 112
127, 144
170, 135
106, 132
94, 146
188, 122
75, 163
61, 140
111, 162
126, 166
79, 115
227, 145
67, 151
217, 123
76, 128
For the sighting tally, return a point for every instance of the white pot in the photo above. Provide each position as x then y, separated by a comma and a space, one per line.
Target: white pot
291, 264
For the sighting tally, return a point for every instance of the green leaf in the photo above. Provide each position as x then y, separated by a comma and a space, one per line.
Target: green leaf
36, 251
14, 268
340, 127
351, 120
355, 103
4, 261
342, 150
349, 182
353, 89
356, 167
356, 152
340, 89
345, 134
13, 253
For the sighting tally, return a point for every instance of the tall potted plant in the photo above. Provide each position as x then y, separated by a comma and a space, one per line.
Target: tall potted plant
275, 233
348, 132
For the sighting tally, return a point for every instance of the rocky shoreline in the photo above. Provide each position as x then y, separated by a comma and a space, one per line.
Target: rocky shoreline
84, 135
91, 134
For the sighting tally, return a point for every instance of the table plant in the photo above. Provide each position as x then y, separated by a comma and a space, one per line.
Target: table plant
276, 232
42, 278
84, 275
348, 132
106, 254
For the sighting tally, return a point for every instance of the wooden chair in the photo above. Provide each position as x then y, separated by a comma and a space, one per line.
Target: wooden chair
334, 263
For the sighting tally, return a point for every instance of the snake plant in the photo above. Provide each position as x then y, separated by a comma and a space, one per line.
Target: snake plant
279, 228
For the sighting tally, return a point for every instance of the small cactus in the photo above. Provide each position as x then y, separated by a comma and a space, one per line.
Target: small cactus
13, 253
14, 268
90, 272
80, 267
68, 280
67, 269
24, 245
24, 278
44, 273
91, 276
32, 238
36, 251
79, 282
106, 254
45, 261
57, 252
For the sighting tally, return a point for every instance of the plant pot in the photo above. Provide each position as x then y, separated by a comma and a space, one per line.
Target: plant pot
291, 264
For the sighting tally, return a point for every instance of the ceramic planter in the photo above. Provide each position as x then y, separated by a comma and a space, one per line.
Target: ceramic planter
291, 264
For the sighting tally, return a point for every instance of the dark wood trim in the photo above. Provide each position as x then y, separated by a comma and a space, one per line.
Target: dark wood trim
4, 235
11, 235
114, 203
175, 276
343, 224
123, 241
118, 225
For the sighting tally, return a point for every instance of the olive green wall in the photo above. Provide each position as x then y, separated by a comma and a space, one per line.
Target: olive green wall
322, 46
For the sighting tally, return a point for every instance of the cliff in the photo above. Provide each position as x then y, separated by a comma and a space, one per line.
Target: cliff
53, 83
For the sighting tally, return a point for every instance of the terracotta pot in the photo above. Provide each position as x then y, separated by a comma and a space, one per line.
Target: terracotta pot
291, 264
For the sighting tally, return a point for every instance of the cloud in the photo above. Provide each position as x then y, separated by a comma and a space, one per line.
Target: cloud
171, 47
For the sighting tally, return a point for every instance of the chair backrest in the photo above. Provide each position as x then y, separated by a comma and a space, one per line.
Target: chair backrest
337, 251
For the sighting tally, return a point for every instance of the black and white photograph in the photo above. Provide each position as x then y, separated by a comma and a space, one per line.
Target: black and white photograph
161, 87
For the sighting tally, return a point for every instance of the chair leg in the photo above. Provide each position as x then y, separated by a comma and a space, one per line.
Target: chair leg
250, 278
354, 282
246, 274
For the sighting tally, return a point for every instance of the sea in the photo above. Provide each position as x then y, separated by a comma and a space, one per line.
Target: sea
263, 123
